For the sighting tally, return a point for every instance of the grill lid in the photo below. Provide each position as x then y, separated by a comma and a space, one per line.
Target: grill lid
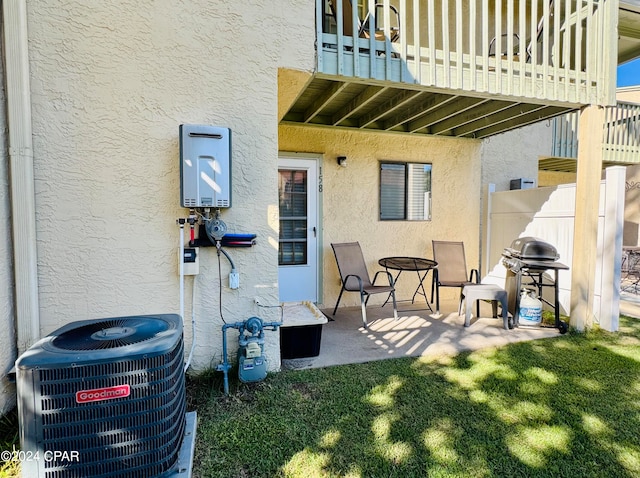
532, 248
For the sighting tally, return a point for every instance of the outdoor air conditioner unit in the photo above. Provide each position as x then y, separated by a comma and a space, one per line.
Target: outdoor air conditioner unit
104, 398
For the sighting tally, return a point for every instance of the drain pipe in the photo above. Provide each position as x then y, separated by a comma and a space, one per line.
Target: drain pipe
23, 215
193, 324
181, 222
181, 266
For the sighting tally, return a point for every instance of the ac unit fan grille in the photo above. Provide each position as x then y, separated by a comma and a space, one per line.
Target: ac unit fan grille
110, 333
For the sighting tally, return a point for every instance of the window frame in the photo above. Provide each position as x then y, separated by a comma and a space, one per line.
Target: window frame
407, 190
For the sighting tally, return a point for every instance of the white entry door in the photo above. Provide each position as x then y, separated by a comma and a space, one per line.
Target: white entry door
298, 243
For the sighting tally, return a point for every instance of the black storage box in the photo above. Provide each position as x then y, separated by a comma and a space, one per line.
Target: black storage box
300, 341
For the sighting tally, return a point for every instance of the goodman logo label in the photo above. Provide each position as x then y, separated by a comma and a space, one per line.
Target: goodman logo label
99, 394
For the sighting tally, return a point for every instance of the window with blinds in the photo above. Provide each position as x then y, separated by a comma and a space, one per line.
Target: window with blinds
405, 191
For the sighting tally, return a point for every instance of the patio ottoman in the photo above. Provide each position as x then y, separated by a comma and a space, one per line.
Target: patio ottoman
472, 293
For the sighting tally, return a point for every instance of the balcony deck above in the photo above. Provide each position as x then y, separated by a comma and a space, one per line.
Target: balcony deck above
620, 139
365, 106
465, 69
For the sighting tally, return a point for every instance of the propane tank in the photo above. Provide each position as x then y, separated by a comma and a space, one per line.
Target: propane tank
530, 309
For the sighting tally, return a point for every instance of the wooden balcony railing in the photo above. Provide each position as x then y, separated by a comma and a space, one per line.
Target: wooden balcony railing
620, 140
559, 51
565, 136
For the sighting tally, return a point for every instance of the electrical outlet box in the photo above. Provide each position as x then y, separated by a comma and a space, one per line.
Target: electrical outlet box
234, 280
190, 261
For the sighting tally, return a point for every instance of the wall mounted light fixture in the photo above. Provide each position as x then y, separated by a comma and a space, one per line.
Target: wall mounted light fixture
342, 161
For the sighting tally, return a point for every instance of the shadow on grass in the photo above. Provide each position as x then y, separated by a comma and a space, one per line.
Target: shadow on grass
566, 406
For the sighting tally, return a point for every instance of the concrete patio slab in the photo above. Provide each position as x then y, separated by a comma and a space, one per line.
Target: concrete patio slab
417, 333
630, 304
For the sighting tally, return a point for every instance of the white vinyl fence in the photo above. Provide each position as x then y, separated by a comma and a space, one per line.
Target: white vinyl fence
549, 214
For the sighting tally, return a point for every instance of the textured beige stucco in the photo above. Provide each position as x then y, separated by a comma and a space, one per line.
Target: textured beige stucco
515, 154
290, 84
111, 83
350, 198
629, 94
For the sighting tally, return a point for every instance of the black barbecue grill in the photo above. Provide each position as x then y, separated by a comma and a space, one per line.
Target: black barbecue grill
529, 258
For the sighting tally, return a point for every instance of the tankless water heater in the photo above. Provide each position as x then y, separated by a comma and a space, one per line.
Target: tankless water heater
205, 166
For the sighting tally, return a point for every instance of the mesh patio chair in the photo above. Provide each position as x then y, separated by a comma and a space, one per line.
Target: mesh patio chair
451, 270
504, 46
355, 277
363, 26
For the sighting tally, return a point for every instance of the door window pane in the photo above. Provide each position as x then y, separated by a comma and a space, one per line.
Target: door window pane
292, 196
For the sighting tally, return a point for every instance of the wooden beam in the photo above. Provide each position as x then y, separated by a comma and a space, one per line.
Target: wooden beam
460, 105
585, 232
471, 116
415, 110
396, 102
507, 115
369, 94
629, 31
324, 99
523, 120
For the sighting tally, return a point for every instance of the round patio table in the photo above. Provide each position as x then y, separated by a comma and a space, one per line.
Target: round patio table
420, 265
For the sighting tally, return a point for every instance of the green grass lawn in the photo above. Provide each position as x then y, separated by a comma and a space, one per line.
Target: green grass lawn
562, 407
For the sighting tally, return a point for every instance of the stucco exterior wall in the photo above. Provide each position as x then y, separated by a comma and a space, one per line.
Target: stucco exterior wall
515, 154
629, 94
7, 337
111, 83
351, 197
